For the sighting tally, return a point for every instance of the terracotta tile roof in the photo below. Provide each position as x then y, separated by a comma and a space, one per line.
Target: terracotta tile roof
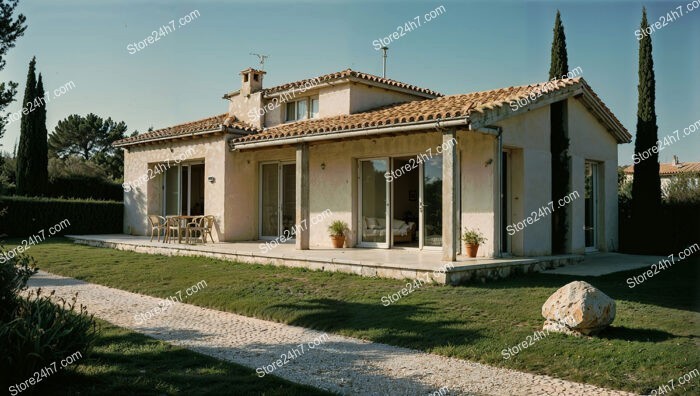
669, 169
349, 73
219, 122
443, 108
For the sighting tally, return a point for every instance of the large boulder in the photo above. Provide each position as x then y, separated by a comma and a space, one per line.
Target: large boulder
578, 308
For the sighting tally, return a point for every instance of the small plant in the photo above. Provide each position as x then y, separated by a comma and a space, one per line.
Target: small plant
473, 237
338, 228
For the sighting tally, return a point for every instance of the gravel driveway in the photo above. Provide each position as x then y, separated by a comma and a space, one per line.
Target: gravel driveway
331, 362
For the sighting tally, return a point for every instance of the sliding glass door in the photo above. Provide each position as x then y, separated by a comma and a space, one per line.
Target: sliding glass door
183, 187
400, 202
277, 200
431, 202
374, 203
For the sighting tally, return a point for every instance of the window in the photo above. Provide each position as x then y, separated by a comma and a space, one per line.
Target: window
302, 109
314, 107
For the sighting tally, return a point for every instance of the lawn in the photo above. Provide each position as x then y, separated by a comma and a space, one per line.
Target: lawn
654, 337
127, 363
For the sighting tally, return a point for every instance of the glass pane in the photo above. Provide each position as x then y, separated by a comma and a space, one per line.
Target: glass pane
184, 203
590, 211
432, 201
197, 190
288, 200
291, 111
270, 222
374, 200
301, 110
314, 108
172, 191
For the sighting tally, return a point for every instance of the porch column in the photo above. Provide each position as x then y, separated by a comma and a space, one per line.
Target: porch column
450, 205
302, 196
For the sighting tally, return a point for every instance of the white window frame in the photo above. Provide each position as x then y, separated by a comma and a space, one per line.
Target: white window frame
309, 114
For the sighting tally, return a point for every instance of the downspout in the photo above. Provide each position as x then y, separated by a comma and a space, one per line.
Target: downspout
499, 193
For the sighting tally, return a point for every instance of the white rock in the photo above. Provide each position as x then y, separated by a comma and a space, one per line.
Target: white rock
578, 308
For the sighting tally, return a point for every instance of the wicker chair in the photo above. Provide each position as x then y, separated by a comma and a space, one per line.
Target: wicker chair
174, 225
157, 224
200, 227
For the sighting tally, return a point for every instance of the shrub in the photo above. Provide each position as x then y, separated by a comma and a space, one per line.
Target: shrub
85, 188
28, 216
677, 229
34, 331
14, 274
683, 188
43, 332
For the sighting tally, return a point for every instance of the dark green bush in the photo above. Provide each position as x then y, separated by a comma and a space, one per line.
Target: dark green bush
678, 228
85, 188
14, 274
43, 332
27, 216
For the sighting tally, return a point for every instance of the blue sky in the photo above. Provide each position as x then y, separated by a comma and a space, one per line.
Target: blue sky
472, 46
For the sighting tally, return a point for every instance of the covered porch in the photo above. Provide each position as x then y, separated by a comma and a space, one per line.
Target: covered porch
426, 265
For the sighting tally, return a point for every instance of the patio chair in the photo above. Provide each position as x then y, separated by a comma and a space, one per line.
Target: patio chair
201, 228
157, 224
174, 225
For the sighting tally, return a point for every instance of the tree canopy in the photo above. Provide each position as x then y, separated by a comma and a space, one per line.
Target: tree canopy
11, 29
90, 138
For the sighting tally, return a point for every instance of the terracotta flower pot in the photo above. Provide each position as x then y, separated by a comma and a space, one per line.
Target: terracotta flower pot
338, 241
471, 249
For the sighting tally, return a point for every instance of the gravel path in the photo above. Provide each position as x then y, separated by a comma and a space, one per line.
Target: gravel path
336, 363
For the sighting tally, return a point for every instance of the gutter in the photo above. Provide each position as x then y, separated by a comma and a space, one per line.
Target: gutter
359, 132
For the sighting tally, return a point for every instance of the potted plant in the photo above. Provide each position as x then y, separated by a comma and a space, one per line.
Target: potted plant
472, 239
337, 230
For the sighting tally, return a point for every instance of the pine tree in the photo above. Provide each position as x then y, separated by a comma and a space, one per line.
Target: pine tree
559, 141
25, 163
40, 147
646, 185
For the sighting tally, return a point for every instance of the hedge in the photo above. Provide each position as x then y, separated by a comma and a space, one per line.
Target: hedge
678, 228
27, 216
78, 188
85, 188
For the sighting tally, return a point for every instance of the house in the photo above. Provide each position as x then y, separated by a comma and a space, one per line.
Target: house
404, 166
667, 171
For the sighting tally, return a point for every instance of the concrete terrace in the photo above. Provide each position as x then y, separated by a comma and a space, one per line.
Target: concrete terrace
385, 263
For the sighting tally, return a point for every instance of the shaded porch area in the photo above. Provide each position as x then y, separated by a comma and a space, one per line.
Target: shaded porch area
426, 265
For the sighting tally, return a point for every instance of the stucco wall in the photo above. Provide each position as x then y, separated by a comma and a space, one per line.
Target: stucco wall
528, 136
365, 97
334, 186
146, 198
589, 140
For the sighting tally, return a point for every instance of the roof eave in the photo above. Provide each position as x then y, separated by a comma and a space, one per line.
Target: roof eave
221, 128
352, 133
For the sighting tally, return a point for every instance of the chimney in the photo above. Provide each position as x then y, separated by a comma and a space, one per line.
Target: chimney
251, 81
675, 161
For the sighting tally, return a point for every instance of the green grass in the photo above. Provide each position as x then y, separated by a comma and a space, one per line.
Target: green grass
127, 363
654, 337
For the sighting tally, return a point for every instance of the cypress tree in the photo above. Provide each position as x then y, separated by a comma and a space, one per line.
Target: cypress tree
559, 141
41, 147
646, 185
560, 61
25, 163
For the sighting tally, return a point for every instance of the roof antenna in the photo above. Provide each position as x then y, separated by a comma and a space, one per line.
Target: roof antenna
384, 49
261, 58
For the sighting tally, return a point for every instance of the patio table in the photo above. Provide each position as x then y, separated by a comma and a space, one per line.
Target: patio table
181, 218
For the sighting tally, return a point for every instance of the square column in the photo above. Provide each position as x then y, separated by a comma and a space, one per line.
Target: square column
450, 207
302, 196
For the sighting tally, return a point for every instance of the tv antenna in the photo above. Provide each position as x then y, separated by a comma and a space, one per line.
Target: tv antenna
261, 59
